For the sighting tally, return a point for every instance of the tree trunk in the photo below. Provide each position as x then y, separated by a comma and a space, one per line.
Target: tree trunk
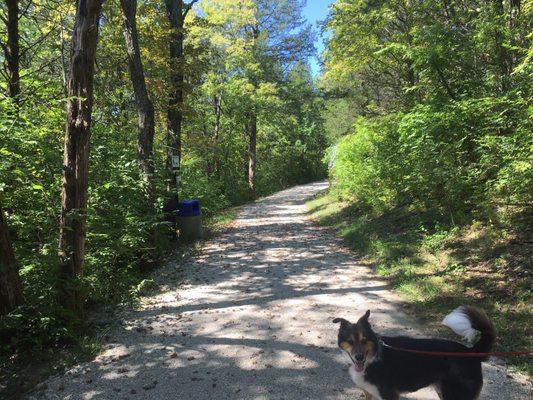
10, 287
517, 35
252, 152
11, 50
176, 17
252, 126
218, 115
500, 50
145, 107
64, 66
76, 152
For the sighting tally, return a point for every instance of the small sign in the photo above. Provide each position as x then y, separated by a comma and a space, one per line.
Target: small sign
175, 161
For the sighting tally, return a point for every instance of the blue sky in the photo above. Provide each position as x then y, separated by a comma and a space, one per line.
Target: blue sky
315, 11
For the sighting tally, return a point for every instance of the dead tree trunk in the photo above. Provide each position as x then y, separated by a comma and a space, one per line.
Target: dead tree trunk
10, 287
145, 107
12, 50
76, 152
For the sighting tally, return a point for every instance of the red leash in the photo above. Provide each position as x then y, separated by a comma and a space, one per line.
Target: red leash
451, 354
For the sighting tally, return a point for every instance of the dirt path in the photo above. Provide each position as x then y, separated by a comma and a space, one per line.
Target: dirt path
251, 321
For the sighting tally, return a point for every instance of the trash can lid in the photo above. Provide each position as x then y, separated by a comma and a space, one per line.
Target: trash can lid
188, 208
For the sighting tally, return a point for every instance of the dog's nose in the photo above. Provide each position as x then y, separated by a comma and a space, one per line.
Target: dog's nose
359, 357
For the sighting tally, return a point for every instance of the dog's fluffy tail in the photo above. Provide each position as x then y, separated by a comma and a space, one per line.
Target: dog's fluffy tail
467, 322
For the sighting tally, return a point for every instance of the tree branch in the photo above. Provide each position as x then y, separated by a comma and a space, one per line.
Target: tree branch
188, 8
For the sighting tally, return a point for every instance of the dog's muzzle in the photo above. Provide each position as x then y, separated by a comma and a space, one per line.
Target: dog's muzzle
358, 361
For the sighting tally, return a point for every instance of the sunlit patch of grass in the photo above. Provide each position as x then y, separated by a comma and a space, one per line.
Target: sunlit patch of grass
436, 267
220, 221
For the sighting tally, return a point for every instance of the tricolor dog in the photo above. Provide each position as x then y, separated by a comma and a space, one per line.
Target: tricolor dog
383, 368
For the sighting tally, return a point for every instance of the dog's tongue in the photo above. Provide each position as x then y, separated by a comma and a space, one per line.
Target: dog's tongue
359, 366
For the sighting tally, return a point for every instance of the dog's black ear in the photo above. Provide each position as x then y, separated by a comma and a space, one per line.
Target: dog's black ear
341, 320
367, 314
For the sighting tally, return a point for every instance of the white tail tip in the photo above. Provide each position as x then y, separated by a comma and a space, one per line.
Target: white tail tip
459, 322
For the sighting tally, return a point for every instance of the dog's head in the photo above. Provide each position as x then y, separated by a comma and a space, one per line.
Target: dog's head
358, 340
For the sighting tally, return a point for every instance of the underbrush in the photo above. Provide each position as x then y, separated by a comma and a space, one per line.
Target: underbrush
38, 343
437, 265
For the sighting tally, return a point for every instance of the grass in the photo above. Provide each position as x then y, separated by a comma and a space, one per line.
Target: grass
436, 266
220, 221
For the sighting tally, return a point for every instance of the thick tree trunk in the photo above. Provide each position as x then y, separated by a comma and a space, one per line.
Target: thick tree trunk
252, 152
145, 107
176, 16
10, 287
76, 152
12, 51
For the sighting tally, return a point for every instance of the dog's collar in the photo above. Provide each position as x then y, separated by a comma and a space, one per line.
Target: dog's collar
381, 345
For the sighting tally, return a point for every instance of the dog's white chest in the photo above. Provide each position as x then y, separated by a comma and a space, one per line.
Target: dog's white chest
359, 379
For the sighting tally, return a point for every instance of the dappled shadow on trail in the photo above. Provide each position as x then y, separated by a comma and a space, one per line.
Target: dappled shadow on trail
248, 318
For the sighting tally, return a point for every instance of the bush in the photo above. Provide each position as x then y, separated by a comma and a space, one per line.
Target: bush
466, 156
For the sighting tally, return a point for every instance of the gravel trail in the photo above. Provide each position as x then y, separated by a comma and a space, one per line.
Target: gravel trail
251, 319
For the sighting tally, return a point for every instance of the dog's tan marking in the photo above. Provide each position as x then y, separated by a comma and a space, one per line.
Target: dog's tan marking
369, 349
347, 346
368, 396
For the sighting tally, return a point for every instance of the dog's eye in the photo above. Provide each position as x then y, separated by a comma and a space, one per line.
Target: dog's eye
350, 342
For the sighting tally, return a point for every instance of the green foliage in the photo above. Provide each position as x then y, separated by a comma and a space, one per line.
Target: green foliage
452, 157
41, 329
126, 233
438, 96
445, 119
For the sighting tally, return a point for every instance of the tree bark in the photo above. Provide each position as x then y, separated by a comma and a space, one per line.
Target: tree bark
252, 126
76, 153
177, 10
218, 115
10, 287
145, 106
252, 152
12, 50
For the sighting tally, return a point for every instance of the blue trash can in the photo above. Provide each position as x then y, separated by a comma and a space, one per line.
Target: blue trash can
189, 220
